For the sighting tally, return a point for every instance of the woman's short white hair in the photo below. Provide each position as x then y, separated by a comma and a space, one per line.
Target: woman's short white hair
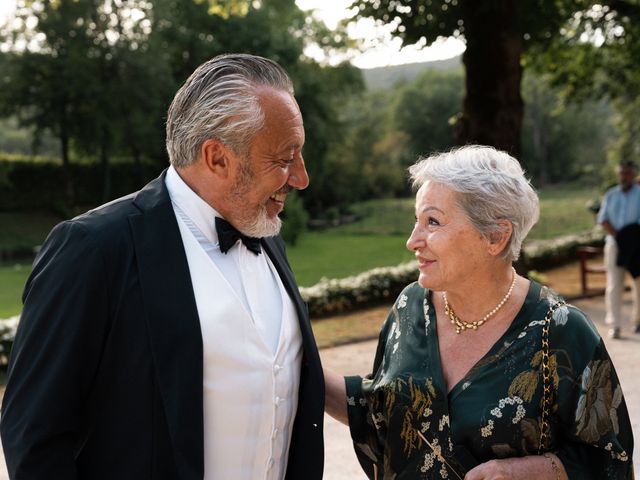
490, 186
219, 101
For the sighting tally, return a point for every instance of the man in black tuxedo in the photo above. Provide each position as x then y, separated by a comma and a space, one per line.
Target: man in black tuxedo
163, 335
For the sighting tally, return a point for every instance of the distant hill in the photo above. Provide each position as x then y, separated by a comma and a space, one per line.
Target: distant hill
382, 78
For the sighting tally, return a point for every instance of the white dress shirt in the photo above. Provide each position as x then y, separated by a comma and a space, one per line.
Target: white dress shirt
251, 345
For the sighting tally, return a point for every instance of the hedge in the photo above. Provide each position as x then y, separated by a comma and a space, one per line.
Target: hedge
7, 334
32, 185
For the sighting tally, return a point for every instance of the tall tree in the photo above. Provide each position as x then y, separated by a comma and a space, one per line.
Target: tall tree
497, 33
427, 108
47, 69
66, 72
279, 30
604, 67
106, 70
563, 140
119, 32
322, 93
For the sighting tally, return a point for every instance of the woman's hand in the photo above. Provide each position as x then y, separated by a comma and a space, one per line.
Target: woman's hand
533, 467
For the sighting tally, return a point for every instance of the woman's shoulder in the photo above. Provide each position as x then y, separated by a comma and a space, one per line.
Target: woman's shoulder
412, 291
569, 326
411, 297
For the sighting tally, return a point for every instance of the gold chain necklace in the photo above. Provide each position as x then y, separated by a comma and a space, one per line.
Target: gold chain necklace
461, 325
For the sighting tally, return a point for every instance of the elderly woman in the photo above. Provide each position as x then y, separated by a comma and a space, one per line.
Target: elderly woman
479, 372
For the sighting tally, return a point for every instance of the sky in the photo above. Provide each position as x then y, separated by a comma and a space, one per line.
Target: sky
6, 7
377, 54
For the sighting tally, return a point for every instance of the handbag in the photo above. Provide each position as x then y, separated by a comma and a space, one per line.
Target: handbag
546, 379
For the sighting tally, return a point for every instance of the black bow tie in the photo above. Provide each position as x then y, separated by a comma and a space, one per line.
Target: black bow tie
228, 236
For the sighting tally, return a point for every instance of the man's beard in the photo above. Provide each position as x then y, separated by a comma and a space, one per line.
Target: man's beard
252, 223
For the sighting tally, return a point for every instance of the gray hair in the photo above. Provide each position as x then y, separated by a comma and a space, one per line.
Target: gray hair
219, 101
490, 187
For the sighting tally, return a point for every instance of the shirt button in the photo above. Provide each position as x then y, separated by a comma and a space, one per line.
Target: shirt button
277, 368
277, 400
270, 463
275, 432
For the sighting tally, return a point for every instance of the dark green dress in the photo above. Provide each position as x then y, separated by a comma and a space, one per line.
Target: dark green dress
493, 412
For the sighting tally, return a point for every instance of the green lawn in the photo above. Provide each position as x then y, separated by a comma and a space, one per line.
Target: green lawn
19, 232
25, 230
12, 278
336, 255
563, 210
375, 241
383, 216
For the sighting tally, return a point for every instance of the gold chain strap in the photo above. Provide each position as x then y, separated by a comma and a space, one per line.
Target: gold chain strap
546, 378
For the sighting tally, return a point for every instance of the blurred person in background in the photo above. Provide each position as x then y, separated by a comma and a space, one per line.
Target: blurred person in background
619, 216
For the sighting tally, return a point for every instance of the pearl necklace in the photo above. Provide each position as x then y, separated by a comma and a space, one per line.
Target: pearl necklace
461, 325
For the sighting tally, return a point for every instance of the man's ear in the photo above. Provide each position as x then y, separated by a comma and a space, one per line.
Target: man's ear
216, 157
499, 238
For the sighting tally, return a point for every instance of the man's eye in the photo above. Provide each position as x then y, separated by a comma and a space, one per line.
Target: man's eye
433, 221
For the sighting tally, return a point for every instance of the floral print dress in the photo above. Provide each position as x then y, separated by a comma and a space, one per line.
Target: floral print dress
405, 426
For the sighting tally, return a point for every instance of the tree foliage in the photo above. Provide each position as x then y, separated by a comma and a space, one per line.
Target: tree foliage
427, 108
388, 130
71, 67
498, 36
100, 74
563, 141
383, 133
597, 57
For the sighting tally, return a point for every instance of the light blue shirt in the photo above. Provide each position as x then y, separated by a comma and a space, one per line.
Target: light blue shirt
620, 208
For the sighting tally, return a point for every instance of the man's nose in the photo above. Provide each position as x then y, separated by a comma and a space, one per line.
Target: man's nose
298, 176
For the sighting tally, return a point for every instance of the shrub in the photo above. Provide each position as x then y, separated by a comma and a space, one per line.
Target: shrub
7, 334
34, 185
545, 254
330, 296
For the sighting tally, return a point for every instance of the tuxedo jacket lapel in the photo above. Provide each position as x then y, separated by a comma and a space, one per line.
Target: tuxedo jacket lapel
173, 324
276, 254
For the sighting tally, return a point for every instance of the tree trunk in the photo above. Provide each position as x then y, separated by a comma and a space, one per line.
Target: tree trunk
493, 107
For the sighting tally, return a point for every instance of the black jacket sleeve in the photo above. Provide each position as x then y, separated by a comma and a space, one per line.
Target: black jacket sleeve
55, 356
